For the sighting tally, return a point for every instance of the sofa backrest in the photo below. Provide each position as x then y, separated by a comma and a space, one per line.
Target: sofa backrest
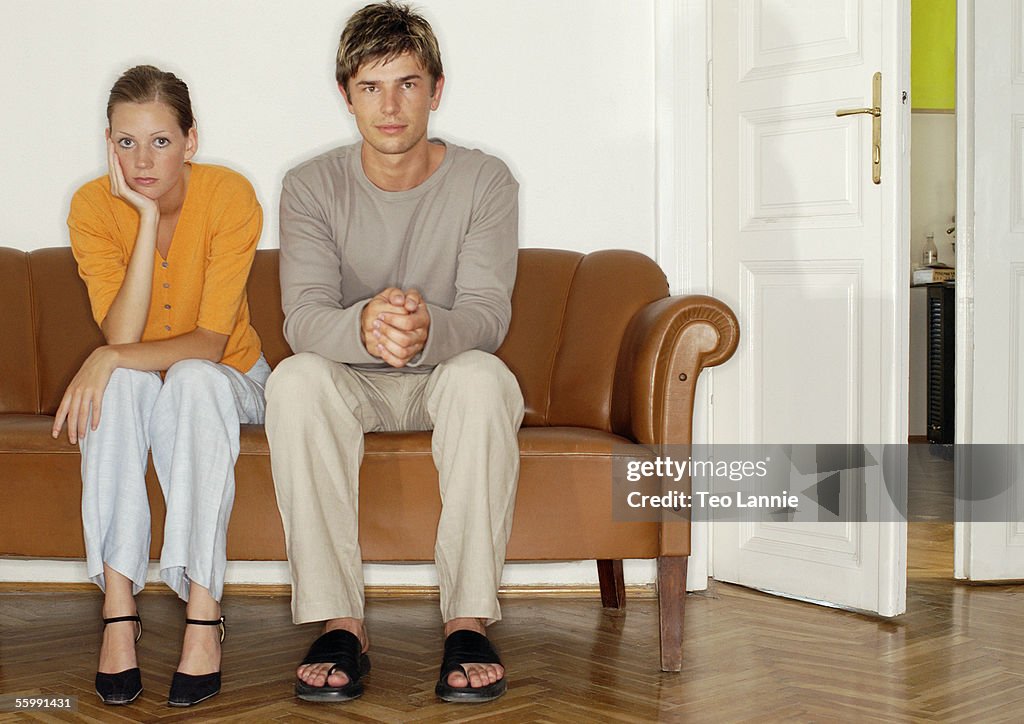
19, 388
46, 328
569, 313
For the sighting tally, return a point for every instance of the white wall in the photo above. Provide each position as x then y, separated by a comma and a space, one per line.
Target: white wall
932, 205
563, 91
932, 182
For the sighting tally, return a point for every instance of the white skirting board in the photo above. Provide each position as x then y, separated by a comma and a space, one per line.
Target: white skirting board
569, 573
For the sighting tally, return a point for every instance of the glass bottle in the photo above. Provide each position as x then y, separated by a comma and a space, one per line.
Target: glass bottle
930, 255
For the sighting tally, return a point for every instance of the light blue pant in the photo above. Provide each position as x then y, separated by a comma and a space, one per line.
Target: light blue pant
191, 421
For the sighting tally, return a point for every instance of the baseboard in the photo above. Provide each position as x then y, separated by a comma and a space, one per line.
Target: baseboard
374, 592
917, 439
266, 575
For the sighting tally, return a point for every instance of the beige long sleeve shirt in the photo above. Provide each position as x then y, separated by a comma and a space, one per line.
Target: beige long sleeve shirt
454, 237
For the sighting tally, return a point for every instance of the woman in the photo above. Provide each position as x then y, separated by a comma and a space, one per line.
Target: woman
164, 247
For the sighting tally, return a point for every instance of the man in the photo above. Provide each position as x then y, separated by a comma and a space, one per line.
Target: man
398, 257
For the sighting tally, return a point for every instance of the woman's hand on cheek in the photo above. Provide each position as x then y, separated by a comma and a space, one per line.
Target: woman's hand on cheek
83, 398
119, 185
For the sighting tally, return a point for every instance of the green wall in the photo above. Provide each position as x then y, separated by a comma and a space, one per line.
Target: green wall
933, 54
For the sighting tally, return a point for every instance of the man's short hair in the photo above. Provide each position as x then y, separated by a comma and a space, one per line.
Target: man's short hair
380, 33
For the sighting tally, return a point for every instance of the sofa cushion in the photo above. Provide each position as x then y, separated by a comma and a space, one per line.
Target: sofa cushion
565, 476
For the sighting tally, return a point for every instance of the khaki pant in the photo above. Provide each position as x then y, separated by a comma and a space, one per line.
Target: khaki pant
317, 412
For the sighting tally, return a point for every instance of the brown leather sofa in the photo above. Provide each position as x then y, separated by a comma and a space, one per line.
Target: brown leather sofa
602, 353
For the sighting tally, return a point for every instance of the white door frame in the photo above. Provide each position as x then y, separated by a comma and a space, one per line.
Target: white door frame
964, 259
683, 187
989, 103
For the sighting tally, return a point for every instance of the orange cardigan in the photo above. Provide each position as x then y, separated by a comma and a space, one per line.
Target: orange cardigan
202, 281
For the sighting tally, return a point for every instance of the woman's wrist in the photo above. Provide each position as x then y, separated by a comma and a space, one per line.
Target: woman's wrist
109, 355
150, 216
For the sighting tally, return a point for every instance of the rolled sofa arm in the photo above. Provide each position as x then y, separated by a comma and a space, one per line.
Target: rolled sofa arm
666, 345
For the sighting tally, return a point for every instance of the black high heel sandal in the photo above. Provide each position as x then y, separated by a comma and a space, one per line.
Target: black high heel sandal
190, 689
125, 686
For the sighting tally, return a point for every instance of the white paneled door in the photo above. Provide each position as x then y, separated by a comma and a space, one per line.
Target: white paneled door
990, 528
812, 256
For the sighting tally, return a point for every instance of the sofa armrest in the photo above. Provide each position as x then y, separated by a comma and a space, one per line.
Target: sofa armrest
666, 345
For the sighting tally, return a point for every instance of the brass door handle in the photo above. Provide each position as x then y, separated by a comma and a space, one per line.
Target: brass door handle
876, 111
876, 125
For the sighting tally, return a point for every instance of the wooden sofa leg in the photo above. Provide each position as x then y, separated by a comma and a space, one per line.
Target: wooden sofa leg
613, 585
671, 600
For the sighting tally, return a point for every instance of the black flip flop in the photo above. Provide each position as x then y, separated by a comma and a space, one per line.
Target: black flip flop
342, 649
468, 647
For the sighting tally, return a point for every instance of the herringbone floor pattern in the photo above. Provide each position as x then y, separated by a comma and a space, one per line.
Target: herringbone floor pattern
956, 655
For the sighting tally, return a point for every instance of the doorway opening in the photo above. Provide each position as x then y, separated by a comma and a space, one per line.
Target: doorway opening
932, 295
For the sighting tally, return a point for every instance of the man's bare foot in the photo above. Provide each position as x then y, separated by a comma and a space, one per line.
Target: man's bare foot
479, 674
316, 674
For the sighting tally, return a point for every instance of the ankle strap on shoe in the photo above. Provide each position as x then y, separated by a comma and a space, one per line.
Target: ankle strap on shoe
214, 622
119, 619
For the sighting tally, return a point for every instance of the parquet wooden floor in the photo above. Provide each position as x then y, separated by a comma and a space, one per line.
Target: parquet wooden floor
957, 655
